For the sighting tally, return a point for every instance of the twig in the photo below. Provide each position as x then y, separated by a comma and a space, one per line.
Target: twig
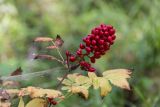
61, 80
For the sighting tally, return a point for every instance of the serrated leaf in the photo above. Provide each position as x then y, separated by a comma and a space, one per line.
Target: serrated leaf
80, 89
81, 80
37, 102
104, 86
92, 75
95, 83
118, 77
72, 77
21, 102
94, 79
40, 92
67, 82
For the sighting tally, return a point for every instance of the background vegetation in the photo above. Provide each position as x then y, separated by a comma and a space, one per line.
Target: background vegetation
137, 45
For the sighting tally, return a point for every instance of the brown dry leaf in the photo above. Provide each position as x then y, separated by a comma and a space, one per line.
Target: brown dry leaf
4, 95
21, 102
10, 84
43, 39
5, 104
40, 92
8, 93
12, 91
37, 102
51, 47
48, 57
118, 77
18, 71
58, 42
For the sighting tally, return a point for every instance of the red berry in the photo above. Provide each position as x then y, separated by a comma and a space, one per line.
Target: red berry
67, 53
93, 42
109, 38
101, 33
106, 33
97, 37
53, 102
101, 47
88, 49
84, 39
92, 59
88, 42
96, 31
72, 58
113, 37
101, 42
109, 26
112, 31
81, 46
91, 69
79, 52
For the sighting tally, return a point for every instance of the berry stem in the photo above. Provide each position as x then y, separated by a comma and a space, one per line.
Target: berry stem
58, 51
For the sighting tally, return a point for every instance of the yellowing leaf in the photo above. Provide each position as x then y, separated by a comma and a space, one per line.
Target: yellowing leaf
80, 89
67, 82
94, 79
37, 102
40, 92
75, 83
72, 77
92, 75
21, 102
82, 80
118, 77
104, 86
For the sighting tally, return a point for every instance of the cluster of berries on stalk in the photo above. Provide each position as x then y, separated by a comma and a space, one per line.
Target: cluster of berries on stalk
95, 45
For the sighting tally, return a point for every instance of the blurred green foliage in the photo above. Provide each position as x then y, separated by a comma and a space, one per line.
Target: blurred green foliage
137, 45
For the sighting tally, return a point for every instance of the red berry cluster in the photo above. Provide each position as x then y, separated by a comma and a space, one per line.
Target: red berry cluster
95, 45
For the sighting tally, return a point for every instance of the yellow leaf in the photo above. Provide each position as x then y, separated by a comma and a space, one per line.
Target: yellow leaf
21, 102
118, 77
72, 77
104, 86
40, 92
95, 83
37, 102
82, 80
80, 89
92, 75
67, 82
94, 79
